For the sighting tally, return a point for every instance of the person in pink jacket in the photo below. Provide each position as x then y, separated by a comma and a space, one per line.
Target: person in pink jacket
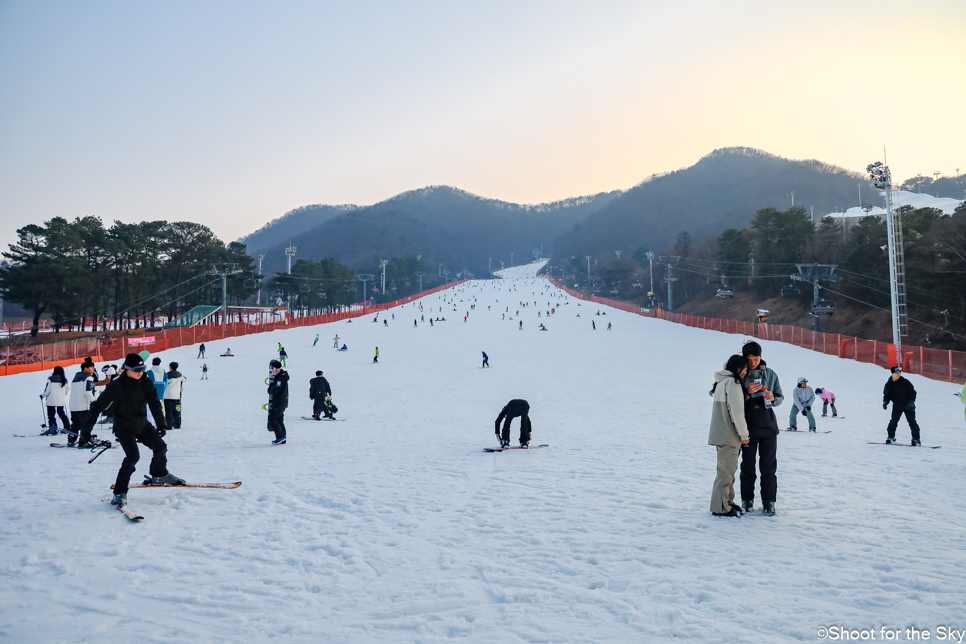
828, 398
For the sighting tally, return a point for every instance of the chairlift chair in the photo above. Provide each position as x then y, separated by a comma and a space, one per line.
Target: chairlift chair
823, 307
724, 293
304, 288
942, 335
614, 291
638, 284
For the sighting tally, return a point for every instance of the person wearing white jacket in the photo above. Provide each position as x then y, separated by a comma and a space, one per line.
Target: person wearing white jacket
172, 397
56, 395
729, 431
81, 397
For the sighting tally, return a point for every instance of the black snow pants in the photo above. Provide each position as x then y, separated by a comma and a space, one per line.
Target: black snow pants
896, 415
172, 417
766, 449
77, 420
524, 428
276, 422
150, 438
52, 413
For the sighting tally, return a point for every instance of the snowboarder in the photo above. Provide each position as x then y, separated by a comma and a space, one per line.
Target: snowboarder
375, 358
227, 353
902, 395
319, 390
385, 323
593, 325
201, 351
56, 394
204, 371
486, 360
172, 397
81, 397
608, 326
728, 433
131, 395
511, 410
345, 347
282, 356
277, 401
158, 377
802, 400
763, 392
521, 325
415, 323
828, 398
316, 340
335, 341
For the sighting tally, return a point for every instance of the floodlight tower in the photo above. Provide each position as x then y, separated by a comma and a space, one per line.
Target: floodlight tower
650, 259
290, 252
382, 264
258, 302
882, 179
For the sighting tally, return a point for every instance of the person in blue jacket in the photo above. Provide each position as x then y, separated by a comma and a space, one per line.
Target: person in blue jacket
158, 376
802, 400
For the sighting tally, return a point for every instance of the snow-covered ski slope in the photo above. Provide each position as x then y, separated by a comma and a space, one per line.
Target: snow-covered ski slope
395, 526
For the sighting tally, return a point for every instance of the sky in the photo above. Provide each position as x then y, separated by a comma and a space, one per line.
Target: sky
232, 113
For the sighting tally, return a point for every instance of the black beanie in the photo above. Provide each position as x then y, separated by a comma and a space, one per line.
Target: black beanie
133, 362
275, 364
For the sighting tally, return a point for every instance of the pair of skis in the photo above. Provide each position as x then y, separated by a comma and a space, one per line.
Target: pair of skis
133, 516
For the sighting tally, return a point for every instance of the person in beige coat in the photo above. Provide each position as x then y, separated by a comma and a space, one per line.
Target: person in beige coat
729, 432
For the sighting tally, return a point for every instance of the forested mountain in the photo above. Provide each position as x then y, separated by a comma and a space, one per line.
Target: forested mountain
292, 224
445, 225
722, 190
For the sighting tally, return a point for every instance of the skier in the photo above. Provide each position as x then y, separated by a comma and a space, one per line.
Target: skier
375, 358
81, 397
319, 390
335, 341
608, 326
902, 395
131, 395
277, 401
158, 377
201, 351
172, 397
56, 394
521, 325
486, 360
415, 323
430, 321
802, 400
385, 323
316, 340
763, 391
593, 325
828, 398
728, 433
511, 410
204, 371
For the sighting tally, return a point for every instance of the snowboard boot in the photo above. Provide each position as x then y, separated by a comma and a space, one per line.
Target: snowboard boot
916, 442
824, 415
53, 431
733, 512
737, 508
524, 445
890, 440
120, 500
748, 506
811, 429
769, 507
279, 441
315, 417
504, 444
167, 479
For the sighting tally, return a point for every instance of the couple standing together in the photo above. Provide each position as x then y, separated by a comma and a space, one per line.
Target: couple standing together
743, 421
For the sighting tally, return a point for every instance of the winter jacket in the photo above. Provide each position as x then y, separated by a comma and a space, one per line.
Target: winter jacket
278, 392
319, 388
131, 399
728, 426
899, 392
514, 408
803, 397
82, 393
159, 377
827, 396
56, 393
172, 390
761, 420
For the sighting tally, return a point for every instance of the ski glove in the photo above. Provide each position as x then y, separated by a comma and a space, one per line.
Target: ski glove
885, 405
804, 413
808, 409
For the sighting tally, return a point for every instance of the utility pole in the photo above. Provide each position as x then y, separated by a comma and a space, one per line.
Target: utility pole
489, 266
365, 277
588, 268
793, 198
258, 302
382, 264
860, 194
671, 261
815, 273
290, 252
226, 270
751, 268
420, 281
882, 179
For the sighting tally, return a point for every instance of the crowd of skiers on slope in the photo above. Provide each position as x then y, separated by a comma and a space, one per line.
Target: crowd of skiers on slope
743, 423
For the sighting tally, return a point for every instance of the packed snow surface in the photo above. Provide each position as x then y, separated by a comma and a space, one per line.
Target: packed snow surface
396, 526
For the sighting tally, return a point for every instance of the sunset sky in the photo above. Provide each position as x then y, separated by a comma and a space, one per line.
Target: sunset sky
232, 113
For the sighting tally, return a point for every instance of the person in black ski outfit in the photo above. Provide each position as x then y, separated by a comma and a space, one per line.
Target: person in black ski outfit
318, 390
762, 393
277, 401
514, 408
486, 360
130, 395
902, 395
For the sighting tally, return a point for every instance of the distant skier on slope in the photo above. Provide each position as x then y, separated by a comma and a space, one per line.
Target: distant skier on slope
316, 340
486, 360
802, 400
131, 395
277, 401
828, 398
375, 358
513, 409
172, 397
902, 395
319, 390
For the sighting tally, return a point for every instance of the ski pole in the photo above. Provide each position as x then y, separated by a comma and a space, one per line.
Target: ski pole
43, 412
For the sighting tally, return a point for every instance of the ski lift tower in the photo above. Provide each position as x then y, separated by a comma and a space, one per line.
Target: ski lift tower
671, 261
223, 272
382, 265
816, 273
882, 179
290, 252
365, 277
258, 302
